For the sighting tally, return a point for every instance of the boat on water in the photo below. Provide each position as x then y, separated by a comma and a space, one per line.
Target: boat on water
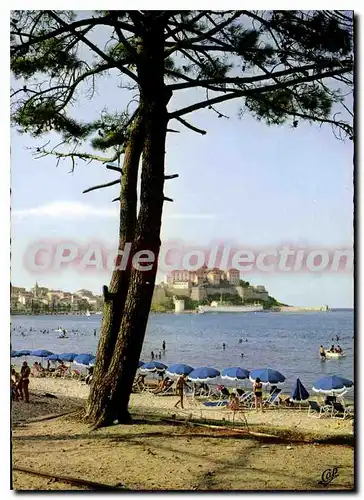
60, 330
335, 355
228, 309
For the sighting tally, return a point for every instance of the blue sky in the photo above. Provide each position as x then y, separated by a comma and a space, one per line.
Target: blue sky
243, 181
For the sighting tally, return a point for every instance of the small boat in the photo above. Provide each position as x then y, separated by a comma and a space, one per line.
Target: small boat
335, 355
62, 337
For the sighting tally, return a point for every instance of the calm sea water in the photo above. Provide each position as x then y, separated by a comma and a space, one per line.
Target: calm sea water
286, 342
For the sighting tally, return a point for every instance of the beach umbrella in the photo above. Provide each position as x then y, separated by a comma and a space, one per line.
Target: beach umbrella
140, 363
299, 392
67, 356
41, 353
203, 374
179, 369
234, 373
267, 376
53, 357
15, 354
24, 352
332, 384
153, 366
84, 359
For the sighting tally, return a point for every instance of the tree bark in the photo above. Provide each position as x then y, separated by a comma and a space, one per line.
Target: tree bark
115, 295
111, 399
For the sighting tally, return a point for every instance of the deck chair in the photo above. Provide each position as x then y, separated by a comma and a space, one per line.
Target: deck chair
247, 399
340, 411
272, 399
214, 404
316, 410
168, 390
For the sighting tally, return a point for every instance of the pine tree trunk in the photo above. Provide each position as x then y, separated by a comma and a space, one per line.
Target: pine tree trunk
110, 398
115, 295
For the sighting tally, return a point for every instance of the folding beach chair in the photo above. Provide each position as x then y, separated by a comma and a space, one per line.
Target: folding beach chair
340, 411
247, 399
215, 404
316, 410
272, 399
168, 390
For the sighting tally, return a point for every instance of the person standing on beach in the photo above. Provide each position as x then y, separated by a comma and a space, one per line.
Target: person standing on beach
258, 391
152, 355
180, 386
24, 376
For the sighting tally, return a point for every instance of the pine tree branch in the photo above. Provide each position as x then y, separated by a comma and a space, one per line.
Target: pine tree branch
172, 176
117, 169
40, 152
106, 20
101, 186
256, 91
252, 79
191, 22
191, 127
122, 38
201, 35
96, 49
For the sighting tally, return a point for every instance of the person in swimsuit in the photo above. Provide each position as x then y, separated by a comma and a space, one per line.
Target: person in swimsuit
24, 376
258, 391
180, 385
322, 352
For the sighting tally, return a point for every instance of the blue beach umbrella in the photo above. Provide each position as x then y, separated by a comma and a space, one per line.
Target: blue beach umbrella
299, 392
15, 354
140, 363
203, 374
267, 376
153, 366
84, 359
234, 373
41, 353
179, 369
53, 357
24, 352
67, 356
332, 384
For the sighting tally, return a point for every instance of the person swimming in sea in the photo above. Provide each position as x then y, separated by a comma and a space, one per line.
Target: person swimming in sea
322, 352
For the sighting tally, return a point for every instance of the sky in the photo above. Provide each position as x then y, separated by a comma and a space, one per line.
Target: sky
244, 181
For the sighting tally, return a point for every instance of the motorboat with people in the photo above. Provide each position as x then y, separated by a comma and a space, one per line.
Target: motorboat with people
60, 330
334, 355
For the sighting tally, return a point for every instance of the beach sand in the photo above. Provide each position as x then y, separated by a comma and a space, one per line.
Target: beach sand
148, 403
152, 455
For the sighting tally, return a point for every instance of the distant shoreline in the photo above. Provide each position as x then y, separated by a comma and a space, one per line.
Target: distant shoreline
193, 311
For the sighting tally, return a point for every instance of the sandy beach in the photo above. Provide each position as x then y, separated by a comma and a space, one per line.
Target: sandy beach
157, 454
148, 403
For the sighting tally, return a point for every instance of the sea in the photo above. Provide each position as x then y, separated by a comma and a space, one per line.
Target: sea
287, 342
